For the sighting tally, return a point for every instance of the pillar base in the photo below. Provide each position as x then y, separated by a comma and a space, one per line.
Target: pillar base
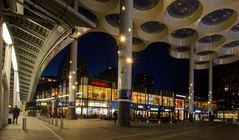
190, 117
124, 114
210, 117
72, 113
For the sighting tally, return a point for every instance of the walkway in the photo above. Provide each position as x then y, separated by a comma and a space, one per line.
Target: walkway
35, 131
106, 130
94, 129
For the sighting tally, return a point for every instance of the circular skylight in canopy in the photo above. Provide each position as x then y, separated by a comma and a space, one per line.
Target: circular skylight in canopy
182, 49
153, 27
113, 20
206, 53
235, 28
183, 33
210, 38
145, 4
183, 8
217, 16
232, 44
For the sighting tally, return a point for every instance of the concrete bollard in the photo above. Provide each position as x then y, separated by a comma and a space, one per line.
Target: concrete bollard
62, 123
159, 122
147, 121
49, 120
52, 121
24, 123
56, 122
170, 122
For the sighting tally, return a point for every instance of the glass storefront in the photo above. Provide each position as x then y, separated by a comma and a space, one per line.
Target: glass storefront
228, 115
96, 98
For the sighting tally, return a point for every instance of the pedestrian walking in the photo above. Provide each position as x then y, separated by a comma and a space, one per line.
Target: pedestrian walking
15, 113
115, 115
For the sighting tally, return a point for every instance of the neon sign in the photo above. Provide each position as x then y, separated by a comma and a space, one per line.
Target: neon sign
98, 83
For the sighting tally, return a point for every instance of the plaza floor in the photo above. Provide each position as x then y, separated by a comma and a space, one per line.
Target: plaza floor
94, 129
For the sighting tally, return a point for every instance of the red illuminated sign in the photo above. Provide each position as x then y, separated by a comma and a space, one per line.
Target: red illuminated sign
179, 101
97, 83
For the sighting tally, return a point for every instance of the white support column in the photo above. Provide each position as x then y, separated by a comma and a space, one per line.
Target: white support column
191, 84
210, 110
6, 80
1, 87
73, 75
8, 62
15, 89
125, 62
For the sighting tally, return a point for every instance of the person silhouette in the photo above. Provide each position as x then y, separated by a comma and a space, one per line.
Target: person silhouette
115, 115
15, 113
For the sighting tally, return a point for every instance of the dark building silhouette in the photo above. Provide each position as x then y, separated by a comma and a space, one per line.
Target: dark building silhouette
143, 81
227, 93
82, 68
109, 74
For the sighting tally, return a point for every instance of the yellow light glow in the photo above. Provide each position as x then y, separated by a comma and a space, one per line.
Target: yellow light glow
6, 34
76, 83
129, 60
73, 87
122, 38
129, 29
123, 8
70, 76
70, 61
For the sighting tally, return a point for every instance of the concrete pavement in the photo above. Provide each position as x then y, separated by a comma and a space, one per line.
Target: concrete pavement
35, 131
106, 130
94, 129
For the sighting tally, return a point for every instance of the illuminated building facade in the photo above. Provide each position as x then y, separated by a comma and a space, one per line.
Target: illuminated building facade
97, 98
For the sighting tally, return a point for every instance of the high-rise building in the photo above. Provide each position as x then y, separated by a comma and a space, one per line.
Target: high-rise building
82, 68
228, 87
143, 80
109, 74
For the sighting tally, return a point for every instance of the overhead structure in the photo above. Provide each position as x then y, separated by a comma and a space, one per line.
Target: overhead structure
39, 30
209, 27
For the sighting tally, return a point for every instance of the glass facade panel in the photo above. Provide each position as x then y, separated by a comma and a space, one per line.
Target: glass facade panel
167, 101
141, 98
134, 97
154, 99
114, 94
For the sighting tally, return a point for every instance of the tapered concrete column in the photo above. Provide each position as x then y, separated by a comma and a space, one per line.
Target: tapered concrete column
210, 110
6, 97
73, 75
72, 80
15, 92
6, 80
191, 84
1, 59
125, 62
